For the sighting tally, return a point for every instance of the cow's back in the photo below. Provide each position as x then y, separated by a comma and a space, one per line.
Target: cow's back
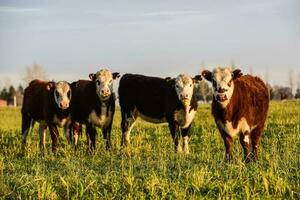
148, 94
35, 97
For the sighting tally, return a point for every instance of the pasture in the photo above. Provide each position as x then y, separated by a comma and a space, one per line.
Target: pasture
149, 168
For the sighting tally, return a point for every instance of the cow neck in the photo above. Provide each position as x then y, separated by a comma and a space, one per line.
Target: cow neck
108, 103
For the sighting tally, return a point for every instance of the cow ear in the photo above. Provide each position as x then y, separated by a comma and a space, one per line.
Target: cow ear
92, 76
168, 78
197, 79
50, 85
207, 75
116, 75
236, 74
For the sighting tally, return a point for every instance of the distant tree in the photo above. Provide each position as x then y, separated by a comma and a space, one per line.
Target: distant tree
291, 80
4, 94
297, 95
20, 89
281, 93
203, 92
35, 71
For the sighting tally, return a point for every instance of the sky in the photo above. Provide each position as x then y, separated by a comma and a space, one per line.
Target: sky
71, 39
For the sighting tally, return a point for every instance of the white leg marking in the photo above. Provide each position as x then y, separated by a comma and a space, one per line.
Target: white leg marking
246, 139
67, 133
186, 148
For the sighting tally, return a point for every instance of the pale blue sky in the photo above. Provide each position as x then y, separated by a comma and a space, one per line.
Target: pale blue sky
163, 38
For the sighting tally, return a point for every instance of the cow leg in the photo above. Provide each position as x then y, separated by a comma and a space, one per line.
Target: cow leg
77, 129
245, 142
127, 123
67, 131
26, 122
42, 133
255, 137
185, 138
228, 145
91, 131
54, 135
174, 129
106, 134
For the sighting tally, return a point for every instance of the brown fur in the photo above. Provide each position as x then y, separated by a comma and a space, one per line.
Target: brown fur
250, 100
39, 105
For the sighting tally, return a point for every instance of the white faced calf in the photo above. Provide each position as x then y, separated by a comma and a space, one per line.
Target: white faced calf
239, 107
47, 103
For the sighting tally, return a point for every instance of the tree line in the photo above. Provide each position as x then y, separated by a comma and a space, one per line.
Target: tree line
11, 94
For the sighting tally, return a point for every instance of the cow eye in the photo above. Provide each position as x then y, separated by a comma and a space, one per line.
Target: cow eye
57, 94
98, 82
214, 83
69, 94
176, 86
191, 85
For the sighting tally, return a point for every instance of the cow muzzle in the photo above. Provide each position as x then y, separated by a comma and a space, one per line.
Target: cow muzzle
185, 99
221, 97
64, 105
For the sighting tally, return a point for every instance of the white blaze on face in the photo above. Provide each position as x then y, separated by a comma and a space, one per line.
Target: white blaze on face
104, 84
222, 85
184, 88
62, 94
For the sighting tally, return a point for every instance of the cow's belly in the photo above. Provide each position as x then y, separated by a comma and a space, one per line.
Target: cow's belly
151, 119
242, 127
62, 122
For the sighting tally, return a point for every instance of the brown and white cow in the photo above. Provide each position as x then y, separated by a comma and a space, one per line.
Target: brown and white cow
158, 100
47, 103
93, 104
239, 107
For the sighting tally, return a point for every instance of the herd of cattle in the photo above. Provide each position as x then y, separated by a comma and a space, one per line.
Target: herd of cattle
239, 107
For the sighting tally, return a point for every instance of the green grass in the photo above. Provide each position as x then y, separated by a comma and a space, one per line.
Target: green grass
149, 168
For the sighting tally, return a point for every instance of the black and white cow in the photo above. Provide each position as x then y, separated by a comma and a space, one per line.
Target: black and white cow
158, 100
93, 104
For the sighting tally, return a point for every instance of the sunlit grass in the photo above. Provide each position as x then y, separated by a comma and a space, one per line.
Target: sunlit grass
149, 168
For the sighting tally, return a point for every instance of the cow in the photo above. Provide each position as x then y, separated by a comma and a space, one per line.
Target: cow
93, 104
158, 100
48, 104
239, 107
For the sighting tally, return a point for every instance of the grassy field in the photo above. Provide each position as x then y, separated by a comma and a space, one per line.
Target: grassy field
149, 168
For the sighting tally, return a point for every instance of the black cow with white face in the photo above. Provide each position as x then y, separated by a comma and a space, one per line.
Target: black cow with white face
93, 104
158, 100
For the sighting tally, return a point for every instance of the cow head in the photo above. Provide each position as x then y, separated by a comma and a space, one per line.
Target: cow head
62, 94
104, 83
222, 81
184, 86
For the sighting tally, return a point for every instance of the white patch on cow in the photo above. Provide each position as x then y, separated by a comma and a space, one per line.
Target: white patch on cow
126, 135
186, 148
103, 120
242, 126
104, 84
246, 139
62, 122
62, 94
223, 79
184, 117
184, 88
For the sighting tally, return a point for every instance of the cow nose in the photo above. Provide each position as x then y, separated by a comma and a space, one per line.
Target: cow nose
222, 90
64, 105
105, 91
184, 96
